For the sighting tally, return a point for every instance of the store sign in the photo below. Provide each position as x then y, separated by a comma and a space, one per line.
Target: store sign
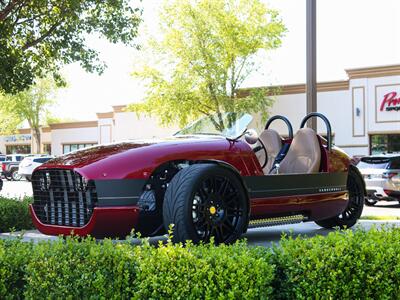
390, 102
387, 103
18, 138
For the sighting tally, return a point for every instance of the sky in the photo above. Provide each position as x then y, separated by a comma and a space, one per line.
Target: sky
350, 34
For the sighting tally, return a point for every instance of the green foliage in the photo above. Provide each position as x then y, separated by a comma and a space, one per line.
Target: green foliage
343, 265
31, 105
52, 119
14, 258
204, 272
81, 270
77, 270
207, 51
14, 214
380, 217
37, 37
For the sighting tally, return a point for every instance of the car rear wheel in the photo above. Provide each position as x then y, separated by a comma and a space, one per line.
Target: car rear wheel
353, 211
205, 201
370, 202
15, 176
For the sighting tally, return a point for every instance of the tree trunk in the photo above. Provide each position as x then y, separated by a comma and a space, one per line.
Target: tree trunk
36, 138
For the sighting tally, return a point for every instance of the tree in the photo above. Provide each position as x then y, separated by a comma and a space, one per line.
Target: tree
31, 105
52, 119
207, 50
38, 36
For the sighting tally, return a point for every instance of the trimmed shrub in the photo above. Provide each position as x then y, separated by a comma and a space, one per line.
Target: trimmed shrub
14, 257
81, 269
343, 265
204, 272
88, 269
14, 214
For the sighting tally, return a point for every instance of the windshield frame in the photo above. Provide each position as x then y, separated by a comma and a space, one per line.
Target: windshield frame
239, 126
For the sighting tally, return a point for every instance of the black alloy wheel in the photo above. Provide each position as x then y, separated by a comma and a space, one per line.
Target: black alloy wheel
353, 211
205, 201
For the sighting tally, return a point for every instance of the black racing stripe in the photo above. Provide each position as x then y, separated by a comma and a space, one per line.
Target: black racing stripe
294, 184
119, 192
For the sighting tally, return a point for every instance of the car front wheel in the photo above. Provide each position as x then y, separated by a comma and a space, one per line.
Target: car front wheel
15, 176
205, 201
353, 211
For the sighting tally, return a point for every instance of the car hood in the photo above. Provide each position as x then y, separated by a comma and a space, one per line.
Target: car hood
90, 155
128, 159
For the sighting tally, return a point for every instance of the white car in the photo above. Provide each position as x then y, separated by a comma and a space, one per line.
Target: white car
382, 177
30, 163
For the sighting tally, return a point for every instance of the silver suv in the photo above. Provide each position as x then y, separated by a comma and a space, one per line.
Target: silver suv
382, 177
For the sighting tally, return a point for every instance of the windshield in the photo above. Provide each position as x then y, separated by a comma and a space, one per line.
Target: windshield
373, 163
230, 125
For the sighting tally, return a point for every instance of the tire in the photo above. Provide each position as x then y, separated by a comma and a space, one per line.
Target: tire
370, 202
15, 176
204, 201
353, 211
28, 178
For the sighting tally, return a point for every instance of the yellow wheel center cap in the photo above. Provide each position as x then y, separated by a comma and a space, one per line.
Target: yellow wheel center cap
213, 210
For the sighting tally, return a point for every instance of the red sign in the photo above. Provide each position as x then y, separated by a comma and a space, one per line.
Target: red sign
390, 102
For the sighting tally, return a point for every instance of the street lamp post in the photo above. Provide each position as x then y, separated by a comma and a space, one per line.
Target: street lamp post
311, 40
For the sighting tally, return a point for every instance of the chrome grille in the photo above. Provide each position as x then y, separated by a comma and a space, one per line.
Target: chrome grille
63, 197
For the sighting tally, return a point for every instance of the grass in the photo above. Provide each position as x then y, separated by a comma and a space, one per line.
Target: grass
380, 218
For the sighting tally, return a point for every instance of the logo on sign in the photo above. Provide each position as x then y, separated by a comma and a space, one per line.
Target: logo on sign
390, 102
18, 138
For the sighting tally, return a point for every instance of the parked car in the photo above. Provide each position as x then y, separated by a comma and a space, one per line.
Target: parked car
29, 163
382, 177
9, 167
209, 180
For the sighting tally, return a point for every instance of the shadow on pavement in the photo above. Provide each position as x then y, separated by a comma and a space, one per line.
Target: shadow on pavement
269, 235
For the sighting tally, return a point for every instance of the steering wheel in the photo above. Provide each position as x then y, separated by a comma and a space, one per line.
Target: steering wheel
284, 149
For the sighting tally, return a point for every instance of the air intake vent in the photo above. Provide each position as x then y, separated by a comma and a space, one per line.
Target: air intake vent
63, 197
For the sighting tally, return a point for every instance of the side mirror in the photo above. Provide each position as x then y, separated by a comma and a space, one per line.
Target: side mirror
251, 136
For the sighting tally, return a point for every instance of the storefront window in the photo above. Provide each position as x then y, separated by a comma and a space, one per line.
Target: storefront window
73, 147
18, 149
384, 143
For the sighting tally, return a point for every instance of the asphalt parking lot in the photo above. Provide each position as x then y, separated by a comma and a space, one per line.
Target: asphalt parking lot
258, 236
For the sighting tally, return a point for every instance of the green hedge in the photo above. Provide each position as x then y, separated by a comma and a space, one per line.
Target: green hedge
353, 265
86, 269
343, 265
14, 214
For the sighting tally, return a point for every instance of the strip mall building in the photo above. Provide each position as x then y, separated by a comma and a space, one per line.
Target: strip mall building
364, 112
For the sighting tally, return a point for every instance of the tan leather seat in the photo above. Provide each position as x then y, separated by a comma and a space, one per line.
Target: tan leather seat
304, 155
273, 144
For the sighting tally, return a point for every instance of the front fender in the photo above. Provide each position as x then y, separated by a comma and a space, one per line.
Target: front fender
357, 171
